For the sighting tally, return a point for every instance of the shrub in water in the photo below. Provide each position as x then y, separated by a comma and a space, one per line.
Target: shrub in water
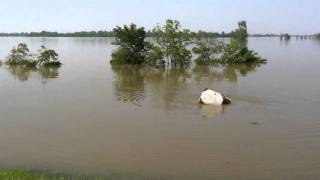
48, 57
21, 56
132, 45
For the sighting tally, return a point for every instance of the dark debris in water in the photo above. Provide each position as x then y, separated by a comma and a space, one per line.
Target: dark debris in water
255, 123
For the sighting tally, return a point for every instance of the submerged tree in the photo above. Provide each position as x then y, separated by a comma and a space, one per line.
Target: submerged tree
173, 42
21, 56
241, 33
235, 51
154, 55
173, 46
48, 57
208, 51
132, 45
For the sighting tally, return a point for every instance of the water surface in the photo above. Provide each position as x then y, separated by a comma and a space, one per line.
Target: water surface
139, 122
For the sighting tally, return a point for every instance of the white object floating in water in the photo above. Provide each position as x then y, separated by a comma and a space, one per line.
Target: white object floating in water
212, 97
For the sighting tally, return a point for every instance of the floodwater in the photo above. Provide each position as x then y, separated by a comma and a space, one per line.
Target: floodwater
144, 123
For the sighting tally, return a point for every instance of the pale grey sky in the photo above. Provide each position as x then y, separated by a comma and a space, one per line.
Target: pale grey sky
262, 16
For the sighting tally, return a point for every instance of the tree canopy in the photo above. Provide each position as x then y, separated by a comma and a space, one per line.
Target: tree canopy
173, 41
173, 46
132, 45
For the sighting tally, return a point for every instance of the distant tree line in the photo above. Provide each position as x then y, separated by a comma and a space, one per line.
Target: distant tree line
113, 34
264, 35
103, 34
57, 34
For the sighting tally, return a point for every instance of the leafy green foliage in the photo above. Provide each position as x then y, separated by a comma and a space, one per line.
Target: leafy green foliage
219, 52
48, 57
241, 33
173, 44
174, 41
122, 56
154, 55
233, 52
132, 45
236, 51
21, 56
208, 51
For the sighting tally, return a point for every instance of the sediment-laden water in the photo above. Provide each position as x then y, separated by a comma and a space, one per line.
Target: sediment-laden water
141, 122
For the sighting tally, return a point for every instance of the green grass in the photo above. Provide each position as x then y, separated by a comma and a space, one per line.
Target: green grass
45, 175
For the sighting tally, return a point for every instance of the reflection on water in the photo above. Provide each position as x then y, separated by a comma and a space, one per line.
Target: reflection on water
130, 82
285, 41
223, 71
23, 73
210, 111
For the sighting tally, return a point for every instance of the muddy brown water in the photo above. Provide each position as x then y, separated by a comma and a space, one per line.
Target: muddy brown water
88, 117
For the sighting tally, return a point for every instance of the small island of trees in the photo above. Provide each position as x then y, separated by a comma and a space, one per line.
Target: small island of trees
20, 55
172, 46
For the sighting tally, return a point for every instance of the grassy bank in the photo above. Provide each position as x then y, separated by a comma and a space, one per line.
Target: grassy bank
46, 175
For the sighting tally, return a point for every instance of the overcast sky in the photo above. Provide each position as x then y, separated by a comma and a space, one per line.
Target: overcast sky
262, 16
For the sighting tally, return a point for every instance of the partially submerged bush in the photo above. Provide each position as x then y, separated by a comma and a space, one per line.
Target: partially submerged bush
132, 45
241, 33
173, 44
122, 56
234, 52
154, 55
174, 41
48, 57
21, 56
208, 51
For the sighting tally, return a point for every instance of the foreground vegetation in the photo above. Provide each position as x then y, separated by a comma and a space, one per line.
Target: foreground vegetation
172, 47
20, 55
16, 174
43, 175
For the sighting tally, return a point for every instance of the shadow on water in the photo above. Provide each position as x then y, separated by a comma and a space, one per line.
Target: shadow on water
24, 73
131, 82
